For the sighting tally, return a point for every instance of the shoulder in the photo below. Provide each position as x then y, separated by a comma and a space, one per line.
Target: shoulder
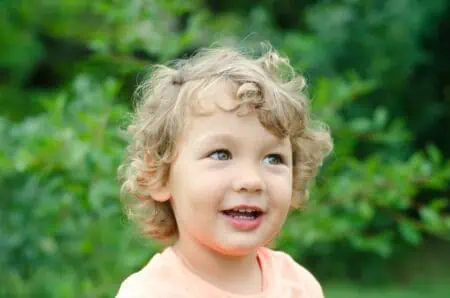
293, 273
150, 281
134, 286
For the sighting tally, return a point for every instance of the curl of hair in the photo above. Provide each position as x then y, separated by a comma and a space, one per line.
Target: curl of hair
267, 85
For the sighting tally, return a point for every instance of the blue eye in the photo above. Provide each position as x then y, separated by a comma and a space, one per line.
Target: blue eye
274, 159
220, 155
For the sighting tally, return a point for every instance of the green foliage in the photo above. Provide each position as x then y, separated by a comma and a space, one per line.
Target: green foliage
70, 67
60, 209
367, 204
435, 290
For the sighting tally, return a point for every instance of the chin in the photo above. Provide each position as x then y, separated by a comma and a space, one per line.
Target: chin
238, 250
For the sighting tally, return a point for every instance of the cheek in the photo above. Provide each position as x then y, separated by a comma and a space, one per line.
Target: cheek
281, 189
201, 192
209, 181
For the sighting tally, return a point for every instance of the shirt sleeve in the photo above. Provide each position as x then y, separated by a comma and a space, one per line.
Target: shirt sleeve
311, 283
135, 287
297, 274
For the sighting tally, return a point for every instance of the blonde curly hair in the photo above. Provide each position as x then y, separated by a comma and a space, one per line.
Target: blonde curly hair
267, 84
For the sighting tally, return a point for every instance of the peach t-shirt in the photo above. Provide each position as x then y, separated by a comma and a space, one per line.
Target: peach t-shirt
166, 276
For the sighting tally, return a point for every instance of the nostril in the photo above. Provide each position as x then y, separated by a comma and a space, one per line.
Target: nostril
251, 188
248, 180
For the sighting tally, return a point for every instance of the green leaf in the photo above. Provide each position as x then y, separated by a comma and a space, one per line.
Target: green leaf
409, 231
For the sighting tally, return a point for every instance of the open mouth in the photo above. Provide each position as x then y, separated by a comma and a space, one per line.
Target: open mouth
245, 214
244, 218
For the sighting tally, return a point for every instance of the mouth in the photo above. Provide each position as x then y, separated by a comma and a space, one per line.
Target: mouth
245, 213
244, 218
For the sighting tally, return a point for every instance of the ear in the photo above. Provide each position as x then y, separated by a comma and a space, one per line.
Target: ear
158, 193
161, 194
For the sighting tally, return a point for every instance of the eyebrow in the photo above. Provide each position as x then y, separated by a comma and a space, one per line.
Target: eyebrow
216, 137
228, 137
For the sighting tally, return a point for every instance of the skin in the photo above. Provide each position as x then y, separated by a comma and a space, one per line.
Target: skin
225, 160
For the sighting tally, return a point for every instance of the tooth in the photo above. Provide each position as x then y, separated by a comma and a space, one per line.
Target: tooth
244, 210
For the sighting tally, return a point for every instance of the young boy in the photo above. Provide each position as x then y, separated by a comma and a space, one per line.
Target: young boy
222, 147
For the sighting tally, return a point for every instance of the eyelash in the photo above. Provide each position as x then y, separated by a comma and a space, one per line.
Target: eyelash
229, 155
279, 156
220, 151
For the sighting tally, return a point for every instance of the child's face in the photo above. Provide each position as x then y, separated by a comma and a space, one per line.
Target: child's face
227, 161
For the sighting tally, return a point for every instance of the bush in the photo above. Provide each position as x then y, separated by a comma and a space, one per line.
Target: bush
367, 207
61, 215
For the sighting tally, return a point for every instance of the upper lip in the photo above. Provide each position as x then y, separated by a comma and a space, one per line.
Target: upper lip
244, 206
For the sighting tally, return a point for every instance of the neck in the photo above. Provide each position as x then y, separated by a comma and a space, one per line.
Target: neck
222, 271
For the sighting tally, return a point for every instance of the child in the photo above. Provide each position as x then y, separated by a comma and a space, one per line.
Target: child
221, 148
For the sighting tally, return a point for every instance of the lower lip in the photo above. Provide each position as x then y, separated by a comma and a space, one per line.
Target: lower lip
244, 224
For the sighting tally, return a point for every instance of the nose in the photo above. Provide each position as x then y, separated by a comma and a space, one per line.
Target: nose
248, 179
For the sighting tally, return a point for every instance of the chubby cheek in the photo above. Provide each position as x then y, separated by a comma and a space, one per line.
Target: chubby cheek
204, 193
281, 194
210, 185
282, 182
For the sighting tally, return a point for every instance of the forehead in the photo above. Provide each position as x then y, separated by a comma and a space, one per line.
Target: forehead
218, 114
200, 98
228, 127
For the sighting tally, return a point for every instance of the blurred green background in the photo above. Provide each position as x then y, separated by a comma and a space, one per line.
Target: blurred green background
378, 222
